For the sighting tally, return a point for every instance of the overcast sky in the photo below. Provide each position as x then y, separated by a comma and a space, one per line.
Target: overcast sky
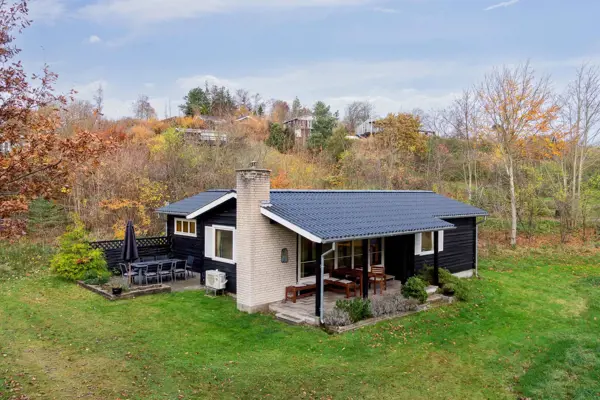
399, 54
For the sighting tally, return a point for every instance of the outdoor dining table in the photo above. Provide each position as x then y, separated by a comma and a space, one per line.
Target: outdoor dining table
355, 273
139, 265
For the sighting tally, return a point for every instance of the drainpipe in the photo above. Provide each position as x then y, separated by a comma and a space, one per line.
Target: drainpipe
321, 309
477, 245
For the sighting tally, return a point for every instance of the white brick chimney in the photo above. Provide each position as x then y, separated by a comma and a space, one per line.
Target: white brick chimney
261, 275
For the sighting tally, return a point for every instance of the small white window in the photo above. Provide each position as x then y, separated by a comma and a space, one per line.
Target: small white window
220, 243
185, 227
425, 242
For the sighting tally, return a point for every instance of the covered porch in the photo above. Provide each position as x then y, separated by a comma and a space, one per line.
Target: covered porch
303, 310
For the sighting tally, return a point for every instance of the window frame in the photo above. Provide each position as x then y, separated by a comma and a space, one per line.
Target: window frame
189, 221
214, 242
419, 238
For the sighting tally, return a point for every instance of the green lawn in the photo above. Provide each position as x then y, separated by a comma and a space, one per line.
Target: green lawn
531, 332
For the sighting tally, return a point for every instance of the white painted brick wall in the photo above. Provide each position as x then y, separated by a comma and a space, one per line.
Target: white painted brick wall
261, 276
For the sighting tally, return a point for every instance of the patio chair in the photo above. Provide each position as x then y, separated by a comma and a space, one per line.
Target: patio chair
179, 268
151, 272
189, 265
379, 278
165, 269
130, 276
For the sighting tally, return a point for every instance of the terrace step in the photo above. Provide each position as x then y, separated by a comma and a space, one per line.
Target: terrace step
431, 289
435, 298
290, 319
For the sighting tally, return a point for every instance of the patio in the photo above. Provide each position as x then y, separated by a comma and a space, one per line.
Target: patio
303, 310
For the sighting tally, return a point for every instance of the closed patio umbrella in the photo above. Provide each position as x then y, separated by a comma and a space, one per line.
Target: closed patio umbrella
130, 250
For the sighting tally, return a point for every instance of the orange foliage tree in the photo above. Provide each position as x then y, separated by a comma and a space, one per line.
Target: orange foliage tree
35, 161
517, 109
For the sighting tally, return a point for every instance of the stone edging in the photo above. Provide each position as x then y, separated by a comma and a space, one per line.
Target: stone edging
373, 321
128, 295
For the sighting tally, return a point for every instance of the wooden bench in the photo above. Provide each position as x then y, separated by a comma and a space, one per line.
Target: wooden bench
341, 286
294, 292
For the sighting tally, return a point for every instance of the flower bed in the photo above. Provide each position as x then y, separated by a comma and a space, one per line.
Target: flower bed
106, 291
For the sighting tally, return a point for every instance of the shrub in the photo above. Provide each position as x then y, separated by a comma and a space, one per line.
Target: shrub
93, 277
415, 288
358, 308
449, 284
337, 317
76, 257
448, 289
391, 304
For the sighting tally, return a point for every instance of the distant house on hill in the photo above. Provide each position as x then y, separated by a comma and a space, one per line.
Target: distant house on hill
368, 128
301, 126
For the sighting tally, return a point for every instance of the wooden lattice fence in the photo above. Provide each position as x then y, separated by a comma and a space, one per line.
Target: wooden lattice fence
151, 246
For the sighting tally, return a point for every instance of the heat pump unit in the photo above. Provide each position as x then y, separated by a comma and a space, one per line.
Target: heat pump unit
215, 279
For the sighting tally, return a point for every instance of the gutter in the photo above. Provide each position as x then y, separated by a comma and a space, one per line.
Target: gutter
322, 289
477, 245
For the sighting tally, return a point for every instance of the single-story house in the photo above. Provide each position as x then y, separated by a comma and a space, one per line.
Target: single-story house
266, 240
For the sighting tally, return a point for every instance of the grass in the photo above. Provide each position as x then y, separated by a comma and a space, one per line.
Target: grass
531, 331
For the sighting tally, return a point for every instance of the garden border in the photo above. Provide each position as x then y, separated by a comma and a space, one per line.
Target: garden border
153, 289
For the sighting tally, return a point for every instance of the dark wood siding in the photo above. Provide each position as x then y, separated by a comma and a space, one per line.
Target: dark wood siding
459, 248
225, 214
400, 256
183, 246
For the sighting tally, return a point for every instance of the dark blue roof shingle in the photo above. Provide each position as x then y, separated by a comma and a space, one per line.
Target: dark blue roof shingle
335, 215
194, 203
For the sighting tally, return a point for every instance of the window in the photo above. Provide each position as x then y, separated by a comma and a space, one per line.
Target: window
425, 242
308, 258
185, 227
376, 251
219, 243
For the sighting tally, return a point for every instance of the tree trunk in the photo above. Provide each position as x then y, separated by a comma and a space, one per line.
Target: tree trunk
513, 203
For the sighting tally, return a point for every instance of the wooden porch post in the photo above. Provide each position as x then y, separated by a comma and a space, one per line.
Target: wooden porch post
436, 261
318, 278
365, 276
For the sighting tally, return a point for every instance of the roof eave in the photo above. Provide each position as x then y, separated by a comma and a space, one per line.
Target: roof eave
382, 235
211, 205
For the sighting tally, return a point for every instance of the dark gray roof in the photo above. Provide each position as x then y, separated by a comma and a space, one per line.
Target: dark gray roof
333, 215
337, 214
194, 203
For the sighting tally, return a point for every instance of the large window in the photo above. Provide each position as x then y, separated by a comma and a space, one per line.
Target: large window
184, 227
219, 243
308, 258
347, 255
224, 244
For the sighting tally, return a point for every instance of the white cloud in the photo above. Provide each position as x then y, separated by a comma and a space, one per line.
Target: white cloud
390, 85
94, 39
386, 10
144, 11
46, 11
87, 90
501, 5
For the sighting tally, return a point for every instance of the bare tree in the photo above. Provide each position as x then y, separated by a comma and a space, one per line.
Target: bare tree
99, 101
463, 117
142, 109
243, 99
580, 119
516, 106
358, 112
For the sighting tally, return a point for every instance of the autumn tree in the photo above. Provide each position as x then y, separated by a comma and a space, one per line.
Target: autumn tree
356, 113
402, 132
516, 107
142, 109
38, 162
279, 111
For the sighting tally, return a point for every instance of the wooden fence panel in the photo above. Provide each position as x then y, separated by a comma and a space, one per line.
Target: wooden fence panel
151, 246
